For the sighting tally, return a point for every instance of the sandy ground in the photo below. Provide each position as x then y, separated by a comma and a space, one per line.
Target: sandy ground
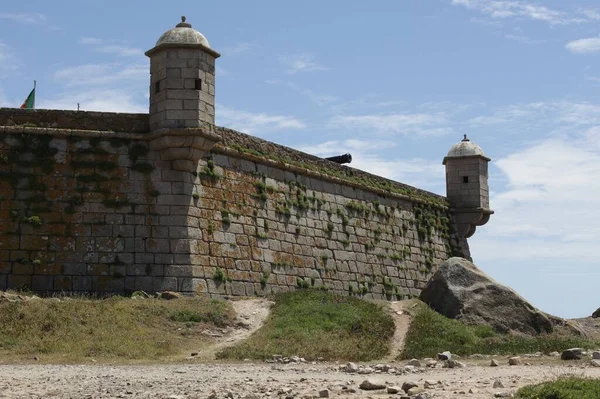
259, 380
201, 377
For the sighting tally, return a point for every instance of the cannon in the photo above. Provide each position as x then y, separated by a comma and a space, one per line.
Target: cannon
345, 158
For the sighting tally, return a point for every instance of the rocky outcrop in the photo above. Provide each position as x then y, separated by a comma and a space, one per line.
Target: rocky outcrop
459, 290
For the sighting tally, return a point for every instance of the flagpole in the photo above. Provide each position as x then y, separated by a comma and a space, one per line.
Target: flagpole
34, 84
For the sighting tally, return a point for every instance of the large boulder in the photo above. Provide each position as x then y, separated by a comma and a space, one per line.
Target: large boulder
459, 290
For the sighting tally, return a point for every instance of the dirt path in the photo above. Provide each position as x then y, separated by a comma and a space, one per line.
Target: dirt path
260, 380
251, 314
398, 311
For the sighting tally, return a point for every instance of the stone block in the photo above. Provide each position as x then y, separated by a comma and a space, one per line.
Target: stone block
238, 288
42, 283
82, 283
18, 281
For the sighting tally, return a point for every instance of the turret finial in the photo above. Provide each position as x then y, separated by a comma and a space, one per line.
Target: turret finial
465, 138
183, 24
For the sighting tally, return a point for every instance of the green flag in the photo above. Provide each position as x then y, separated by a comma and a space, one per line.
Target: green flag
30, 101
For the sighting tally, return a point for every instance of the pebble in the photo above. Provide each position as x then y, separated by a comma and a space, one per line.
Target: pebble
571, 354
371, 385
406, 386
393, 389
514, 361
494, 363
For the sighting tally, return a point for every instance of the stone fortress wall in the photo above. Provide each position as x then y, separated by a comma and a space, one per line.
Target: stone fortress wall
97, 210
115, 203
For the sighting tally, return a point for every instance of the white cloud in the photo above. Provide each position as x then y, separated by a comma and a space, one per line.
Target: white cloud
255, 123
523, 39
584, 46
318, 98
239, 48
9, 63
501, 9
24, 18
420, 124
116, 47
101, 74
301, 63
589, 13
550, 207
556, 116
107, 100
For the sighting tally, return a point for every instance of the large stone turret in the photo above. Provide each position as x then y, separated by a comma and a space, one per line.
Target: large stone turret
467, 186
182, 82
182, 96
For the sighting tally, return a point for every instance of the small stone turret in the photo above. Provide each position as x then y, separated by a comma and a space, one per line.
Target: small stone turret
182, 96
467, 186
182, 82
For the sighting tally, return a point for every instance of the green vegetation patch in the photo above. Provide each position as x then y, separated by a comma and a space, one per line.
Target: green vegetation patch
565, 387
114, 328
430, 333
314, 324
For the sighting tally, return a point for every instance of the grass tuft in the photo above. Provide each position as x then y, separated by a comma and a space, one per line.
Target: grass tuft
117, 328
430, 333
565, 387
316, 324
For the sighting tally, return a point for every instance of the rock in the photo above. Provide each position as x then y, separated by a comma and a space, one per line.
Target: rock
371, 385
444, 355
596, 355
432, 363
406, 386
324, 393
351, 368
514, 361
494, 363
140, 294
459, 290
595, 363
503, 395
571, 354
596, 313
168, 295
414, 362
473, 390
415, 391
366, 370
430, 384
393, 389
194, 354
498, 384
554, 354
451, 363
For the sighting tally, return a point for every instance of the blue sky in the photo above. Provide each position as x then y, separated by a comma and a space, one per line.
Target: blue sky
396, 83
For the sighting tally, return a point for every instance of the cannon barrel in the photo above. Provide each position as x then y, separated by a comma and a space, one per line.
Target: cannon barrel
345, 158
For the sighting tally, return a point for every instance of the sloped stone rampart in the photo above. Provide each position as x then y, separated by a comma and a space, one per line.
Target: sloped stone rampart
102, 213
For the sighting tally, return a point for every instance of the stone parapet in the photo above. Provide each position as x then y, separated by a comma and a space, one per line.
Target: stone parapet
80, 120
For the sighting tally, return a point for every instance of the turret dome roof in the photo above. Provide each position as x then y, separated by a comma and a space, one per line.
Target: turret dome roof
183, 33
465, 148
